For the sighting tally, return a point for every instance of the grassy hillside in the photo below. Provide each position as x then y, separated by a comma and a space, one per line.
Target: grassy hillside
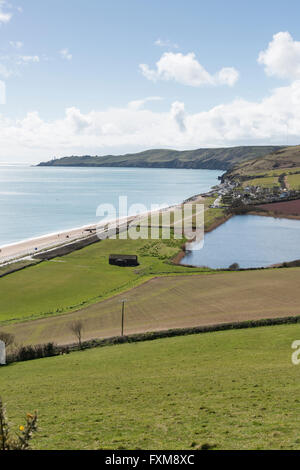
83, 277
231, 390
268, 182
220, 158
293, 181
278, 161
175, 302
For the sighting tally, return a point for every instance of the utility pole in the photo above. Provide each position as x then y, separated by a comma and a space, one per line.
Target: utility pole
123, 315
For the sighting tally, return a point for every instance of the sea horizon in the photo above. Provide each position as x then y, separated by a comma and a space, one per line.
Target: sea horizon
40, 201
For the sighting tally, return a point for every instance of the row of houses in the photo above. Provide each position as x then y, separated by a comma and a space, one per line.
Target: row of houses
230, 192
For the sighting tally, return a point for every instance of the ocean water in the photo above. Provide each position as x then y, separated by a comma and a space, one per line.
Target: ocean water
36, 201
251, 241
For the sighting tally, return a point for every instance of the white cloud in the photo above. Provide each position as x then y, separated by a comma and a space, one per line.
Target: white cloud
185, 69
65, 54
138, 104
77, 120
166, 43
227, 76
133, 128
5, 17
2, 92
5, 72
282, 57
12, 65
178, 114
29, 58
16, 44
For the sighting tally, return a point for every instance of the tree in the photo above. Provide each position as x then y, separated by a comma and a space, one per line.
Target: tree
7, 338
234, 267
77, 328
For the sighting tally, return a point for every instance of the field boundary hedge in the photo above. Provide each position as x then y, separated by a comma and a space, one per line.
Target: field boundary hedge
150, 336
50, 350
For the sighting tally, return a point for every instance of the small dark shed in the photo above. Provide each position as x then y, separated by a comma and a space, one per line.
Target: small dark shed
123, 260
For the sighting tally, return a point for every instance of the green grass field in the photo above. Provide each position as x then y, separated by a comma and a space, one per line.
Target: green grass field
271, 179
15, 266
274, 173
85, 277
175, 302
268, 182
82, 278
232, 390
294, 181
212, 215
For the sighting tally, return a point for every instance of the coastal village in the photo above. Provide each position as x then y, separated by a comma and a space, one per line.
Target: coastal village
235, 192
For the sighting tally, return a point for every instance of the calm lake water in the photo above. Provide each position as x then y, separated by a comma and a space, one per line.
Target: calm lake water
251, 241
36, 201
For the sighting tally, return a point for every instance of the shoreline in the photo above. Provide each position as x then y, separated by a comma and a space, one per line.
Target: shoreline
50, 234
29, 248
26, 249
14, 251
274, 215
32, 246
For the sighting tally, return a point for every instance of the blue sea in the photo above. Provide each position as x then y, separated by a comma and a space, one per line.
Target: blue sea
35, 201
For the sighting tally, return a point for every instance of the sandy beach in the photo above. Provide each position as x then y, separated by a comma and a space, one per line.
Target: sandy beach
26, 248
35, 245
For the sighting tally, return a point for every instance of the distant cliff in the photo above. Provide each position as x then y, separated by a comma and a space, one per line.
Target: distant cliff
211, 159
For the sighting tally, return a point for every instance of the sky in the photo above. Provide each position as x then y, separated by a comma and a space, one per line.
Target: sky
116, 76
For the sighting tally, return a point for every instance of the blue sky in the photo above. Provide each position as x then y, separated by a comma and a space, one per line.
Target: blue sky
72, 67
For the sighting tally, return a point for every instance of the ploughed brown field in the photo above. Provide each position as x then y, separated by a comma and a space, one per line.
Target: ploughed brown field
291, 208
177, 302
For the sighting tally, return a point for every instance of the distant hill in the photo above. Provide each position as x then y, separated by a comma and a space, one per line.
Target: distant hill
212, 159
288, 157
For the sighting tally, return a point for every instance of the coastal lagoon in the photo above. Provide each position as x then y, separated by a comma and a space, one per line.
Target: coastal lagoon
35, 201
251, 241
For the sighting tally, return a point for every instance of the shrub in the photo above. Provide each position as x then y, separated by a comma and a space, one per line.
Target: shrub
17, 441
27, 353
49, 350
7, 338
234, 267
